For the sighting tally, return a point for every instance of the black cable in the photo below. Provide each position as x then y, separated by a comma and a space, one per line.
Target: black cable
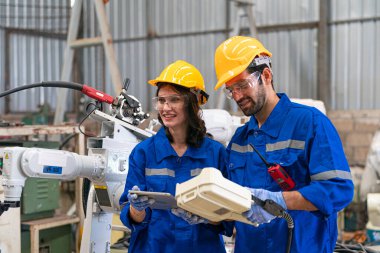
85, 117
278, 211
290, 222
66, 140
57, 84
290, 238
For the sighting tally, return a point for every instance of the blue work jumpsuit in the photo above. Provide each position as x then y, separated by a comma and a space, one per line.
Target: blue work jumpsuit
305, 143
155, 166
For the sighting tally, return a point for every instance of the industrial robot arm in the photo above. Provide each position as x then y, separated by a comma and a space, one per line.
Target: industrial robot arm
106, 165
20, 163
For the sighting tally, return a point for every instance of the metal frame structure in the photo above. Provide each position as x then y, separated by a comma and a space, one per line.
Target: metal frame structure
73, 43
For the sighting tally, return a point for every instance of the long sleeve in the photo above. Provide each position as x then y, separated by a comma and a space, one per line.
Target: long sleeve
331, 187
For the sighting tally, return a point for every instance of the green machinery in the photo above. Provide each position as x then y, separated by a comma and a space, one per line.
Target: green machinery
51, 240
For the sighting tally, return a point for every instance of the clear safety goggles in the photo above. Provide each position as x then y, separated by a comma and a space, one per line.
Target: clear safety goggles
242, 85
173, 101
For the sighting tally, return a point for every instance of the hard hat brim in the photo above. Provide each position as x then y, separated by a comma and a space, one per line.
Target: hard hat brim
154, 82
229, 75
236, 71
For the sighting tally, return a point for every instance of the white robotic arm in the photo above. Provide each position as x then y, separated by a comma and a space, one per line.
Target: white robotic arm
20, 163
106, 166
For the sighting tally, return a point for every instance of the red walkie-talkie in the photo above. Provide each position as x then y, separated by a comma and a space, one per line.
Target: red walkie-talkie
279, 175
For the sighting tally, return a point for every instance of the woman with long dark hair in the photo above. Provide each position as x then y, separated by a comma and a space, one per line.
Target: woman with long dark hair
177, 153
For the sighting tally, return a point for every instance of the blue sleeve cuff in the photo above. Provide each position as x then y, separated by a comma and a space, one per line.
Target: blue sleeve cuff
318, 197
132, 225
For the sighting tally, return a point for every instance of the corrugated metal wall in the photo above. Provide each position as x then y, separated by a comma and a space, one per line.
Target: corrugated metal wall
149, 34
36, 35
355, 54
34, 59
43, 15
294, 46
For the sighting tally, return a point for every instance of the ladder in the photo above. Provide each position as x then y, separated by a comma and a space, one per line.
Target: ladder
244, 11
73, 43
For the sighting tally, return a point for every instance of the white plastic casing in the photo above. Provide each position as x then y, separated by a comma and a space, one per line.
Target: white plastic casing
213, 197
13, 179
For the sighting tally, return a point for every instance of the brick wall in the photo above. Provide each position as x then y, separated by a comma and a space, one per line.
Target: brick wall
356, 129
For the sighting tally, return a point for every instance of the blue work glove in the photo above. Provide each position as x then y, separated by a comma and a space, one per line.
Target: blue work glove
257, 213
191, 218
140, 203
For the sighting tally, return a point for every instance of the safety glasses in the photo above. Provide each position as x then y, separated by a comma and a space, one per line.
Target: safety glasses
242, 85
173, 101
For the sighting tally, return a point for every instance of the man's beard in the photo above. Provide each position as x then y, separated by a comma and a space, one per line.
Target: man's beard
255, 106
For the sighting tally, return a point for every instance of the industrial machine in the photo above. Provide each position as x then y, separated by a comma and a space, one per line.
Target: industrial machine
106, 166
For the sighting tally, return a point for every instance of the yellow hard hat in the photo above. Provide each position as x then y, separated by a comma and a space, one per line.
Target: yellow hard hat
183, 74
234, 55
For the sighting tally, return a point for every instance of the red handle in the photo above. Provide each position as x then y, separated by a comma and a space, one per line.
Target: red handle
98, 95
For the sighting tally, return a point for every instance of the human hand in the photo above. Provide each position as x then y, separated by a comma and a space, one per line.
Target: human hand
257, 213
140, 203
191, 218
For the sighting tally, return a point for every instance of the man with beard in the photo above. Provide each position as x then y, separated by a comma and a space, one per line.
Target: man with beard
298, 138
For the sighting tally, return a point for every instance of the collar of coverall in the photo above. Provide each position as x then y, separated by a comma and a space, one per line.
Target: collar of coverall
163, 148
275, 119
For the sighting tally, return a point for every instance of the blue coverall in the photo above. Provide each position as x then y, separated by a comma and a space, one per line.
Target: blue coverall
305, 143
155, 166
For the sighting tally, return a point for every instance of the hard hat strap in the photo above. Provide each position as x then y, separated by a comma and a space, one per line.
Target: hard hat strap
199, 94
259, 61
